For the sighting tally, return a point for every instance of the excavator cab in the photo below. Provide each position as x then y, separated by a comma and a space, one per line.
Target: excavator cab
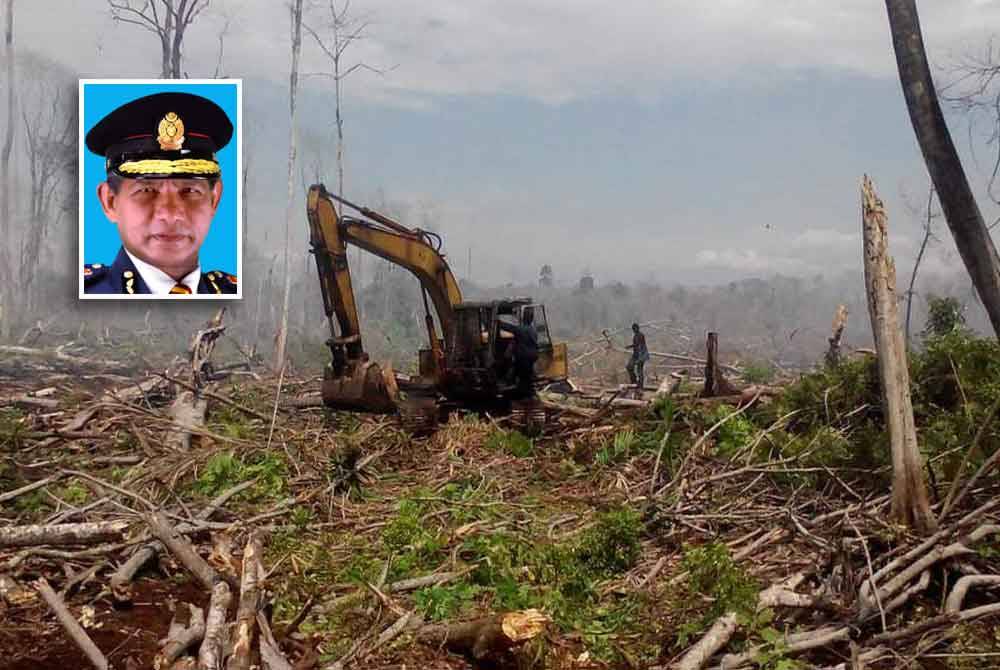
479, 360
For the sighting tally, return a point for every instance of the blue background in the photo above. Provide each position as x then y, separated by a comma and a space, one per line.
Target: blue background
100, 236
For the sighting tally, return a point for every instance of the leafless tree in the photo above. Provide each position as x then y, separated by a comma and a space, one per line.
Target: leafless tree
975, 92
928, 236
6, 284
51, 161
293, 82
342, 30
957, 201
167, 19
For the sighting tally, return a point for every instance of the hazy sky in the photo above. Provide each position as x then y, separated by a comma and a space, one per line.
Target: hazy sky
680, 140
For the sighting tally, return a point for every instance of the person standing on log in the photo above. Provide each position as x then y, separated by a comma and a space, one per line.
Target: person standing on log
640, 354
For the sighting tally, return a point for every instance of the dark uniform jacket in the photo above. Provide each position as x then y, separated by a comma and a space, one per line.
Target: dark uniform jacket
122, 277
525, 341
639, 350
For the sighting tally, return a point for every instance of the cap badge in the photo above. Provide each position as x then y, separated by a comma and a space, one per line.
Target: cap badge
171, 132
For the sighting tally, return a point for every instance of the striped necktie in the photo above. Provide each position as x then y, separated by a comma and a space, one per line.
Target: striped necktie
180, 289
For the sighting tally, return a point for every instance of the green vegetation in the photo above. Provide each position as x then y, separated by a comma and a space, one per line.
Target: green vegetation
11, 426
945, 316
512, 442
758, 372
225, 470
715, 585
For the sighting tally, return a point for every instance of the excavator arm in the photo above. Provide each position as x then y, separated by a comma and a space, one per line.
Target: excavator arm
408, 248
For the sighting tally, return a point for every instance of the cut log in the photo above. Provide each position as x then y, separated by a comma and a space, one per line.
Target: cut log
250, 601
70, 624
210, 656
715, 639
910, 505
182, 550
485, 637
29, 402
62, 534
121, 580
179, 641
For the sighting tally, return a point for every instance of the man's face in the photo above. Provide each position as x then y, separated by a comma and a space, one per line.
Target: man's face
163, 221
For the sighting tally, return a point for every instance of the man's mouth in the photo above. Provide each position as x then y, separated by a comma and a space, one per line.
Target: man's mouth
168, 238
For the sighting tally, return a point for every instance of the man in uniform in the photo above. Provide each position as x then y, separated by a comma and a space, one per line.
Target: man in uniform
163, 187
640, 354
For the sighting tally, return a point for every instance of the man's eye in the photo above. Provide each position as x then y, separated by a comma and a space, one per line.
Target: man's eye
191, 190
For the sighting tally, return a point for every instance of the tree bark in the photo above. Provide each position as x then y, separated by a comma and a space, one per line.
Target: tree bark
484, 637
182, 549
73, 628
839, 323
293, 81
909, 492
179, 641
246, 615
715, 382
210, 655
975, 245
62, 534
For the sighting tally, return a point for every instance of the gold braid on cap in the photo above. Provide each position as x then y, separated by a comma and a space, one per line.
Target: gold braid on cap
161, 166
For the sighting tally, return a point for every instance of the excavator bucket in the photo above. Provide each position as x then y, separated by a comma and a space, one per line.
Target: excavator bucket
369, 388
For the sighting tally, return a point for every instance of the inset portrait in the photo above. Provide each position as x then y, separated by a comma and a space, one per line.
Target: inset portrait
160, 189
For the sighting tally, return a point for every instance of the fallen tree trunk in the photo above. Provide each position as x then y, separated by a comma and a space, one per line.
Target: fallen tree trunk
210, 656
183, 550
246, 615
70, 624
62, 534
484, 637
121, 580
180, 640
29, 402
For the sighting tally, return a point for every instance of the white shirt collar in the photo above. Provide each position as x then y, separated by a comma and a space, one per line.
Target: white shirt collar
159, 282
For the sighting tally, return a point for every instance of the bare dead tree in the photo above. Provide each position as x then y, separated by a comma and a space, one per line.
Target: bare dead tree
961, 211
167, 19
223, 31
343, 30
6, 285
975, 92
293, 81
910, 504
928, 235
51, 154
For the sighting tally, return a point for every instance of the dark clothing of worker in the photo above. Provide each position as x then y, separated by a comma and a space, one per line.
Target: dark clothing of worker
640, 354
525, 354
122, 277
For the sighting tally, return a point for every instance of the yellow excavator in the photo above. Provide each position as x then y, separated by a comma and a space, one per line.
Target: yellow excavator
466, 364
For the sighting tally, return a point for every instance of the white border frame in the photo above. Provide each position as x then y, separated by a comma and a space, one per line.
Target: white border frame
238, 185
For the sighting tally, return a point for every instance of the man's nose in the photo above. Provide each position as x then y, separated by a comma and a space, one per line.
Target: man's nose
168, 204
